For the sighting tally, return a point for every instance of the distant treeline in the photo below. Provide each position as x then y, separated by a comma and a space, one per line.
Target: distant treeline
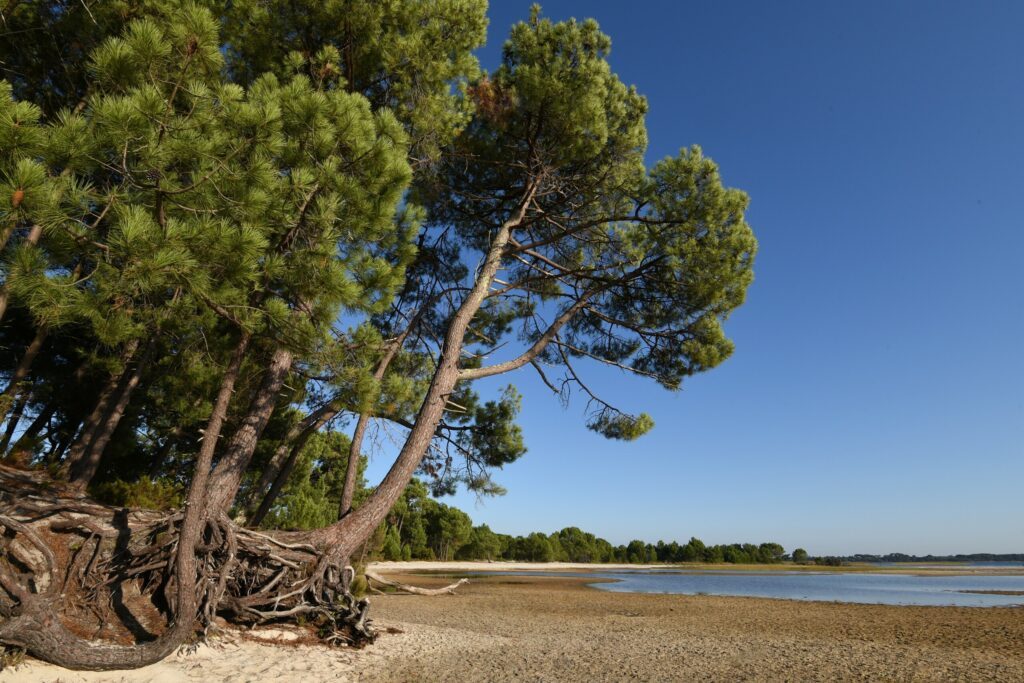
974, 557
419, 527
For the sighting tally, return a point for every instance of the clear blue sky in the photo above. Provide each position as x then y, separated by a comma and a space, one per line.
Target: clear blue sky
875, 402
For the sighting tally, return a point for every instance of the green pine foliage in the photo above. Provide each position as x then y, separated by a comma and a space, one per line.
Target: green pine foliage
183, 178
310, 499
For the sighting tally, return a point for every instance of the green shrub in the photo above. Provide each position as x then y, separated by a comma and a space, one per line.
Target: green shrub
152, 494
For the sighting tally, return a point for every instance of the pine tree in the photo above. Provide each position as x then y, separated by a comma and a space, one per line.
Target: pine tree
233, 228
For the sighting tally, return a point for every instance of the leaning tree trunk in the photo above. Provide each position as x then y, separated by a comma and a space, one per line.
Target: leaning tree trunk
348, 533
84, 469
293, 449
283, 462
21, 452
199, 559
31, 598
355, 449
12, 424
34, 601
288, 449
300, 434
14, 388
95, 418
226, 477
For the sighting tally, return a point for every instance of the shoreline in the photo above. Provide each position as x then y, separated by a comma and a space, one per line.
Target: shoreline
508, 628
428, 567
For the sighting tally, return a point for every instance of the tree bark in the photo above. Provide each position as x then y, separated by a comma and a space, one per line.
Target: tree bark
220, 408
92, 422
348, 490
285, 471
12, 424
227, 476
13, 388
21, 451
85, 468
303, 429
36, 627
346, 534
355, 449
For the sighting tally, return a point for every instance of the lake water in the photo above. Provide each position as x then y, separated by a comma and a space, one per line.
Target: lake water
879, 589
992, 564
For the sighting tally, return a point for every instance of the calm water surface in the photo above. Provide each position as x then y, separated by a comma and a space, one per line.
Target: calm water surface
879, 589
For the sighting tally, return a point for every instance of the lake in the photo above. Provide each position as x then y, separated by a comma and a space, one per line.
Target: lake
861, 587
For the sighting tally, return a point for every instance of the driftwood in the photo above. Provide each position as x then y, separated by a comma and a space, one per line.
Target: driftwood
415, 590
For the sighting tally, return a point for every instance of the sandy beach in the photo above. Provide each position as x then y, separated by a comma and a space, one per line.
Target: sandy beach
514, 628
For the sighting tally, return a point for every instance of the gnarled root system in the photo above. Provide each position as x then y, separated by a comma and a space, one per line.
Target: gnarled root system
92, 586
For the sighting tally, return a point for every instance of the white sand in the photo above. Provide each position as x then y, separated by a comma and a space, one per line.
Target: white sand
242, 658
271, 655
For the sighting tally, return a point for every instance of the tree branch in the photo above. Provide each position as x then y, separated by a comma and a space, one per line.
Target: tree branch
535, 350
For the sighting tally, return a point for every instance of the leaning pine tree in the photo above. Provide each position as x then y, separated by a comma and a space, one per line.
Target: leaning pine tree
202, 204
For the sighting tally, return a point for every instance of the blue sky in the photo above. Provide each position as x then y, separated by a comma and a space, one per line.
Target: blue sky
875, 402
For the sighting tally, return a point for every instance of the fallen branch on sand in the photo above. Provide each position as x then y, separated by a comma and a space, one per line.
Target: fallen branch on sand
415, 590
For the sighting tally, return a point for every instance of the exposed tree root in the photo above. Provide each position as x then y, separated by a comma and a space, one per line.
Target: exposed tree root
94, 586
415, 590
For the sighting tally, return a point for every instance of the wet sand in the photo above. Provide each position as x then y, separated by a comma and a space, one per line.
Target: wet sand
525, 628
516, 628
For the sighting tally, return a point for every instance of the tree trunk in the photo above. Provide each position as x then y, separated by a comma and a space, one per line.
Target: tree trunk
35, 623
22, 450
12, 424
281, 467
301, 430
357, 526
348, 491
227, 476
85, 468
34, 233
220, 408
13, 388
355, 449
35, 627
289, 464
95, 418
